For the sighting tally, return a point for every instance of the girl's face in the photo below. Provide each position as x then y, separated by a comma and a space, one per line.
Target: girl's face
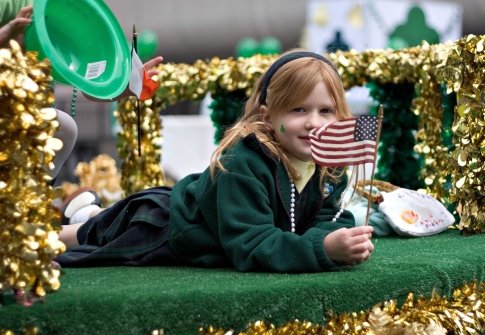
292, 127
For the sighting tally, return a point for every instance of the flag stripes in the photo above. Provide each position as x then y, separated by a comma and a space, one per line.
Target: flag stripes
346, 142
140, 84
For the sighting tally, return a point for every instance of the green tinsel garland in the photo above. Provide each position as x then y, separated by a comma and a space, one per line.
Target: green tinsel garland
226, 109
398, 163
448, 105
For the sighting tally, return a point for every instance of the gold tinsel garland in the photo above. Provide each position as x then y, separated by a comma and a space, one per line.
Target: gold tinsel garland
427, 106
463, 66
139, 170
459, 65
463, 314
28, 236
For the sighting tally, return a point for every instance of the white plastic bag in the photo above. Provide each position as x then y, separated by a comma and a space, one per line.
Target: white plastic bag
411, 213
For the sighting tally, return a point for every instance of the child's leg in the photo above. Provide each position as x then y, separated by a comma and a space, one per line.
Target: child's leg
68, 235
67, 133
133, 231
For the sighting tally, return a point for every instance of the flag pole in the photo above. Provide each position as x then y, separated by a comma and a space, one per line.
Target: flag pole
380, 115
138, 113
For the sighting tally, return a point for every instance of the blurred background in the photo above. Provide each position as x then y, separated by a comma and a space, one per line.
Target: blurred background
192, 29
187, 30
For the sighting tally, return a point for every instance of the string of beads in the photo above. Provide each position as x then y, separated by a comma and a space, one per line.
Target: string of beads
293, 204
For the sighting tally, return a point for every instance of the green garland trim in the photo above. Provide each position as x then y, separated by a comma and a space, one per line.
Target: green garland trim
398, 163
226, 107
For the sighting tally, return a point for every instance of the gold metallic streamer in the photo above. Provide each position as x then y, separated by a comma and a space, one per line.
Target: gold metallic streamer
461, 314
462, 67
139, 172
28, 233
427, 106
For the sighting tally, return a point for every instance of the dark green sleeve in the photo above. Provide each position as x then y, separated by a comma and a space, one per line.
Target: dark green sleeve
249, 236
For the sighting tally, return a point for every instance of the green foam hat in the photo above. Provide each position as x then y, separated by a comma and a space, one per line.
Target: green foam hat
85, 44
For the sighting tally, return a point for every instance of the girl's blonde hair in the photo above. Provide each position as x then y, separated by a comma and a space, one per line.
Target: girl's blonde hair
289, 86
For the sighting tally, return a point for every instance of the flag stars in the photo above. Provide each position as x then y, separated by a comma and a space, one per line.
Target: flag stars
366, 128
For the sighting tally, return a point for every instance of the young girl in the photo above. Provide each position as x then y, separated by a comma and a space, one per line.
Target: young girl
261, 205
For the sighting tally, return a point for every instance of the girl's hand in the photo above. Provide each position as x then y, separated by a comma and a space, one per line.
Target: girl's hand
349, 245
150, 66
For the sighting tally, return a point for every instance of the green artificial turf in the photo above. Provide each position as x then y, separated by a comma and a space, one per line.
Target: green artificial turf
129, 300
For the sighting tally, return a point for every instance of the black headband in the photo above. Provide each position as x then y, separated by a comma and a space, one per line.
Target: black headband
282, 61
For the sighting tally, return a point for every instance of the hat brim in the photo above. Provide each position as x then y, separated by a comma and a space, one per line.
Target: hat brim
85, 44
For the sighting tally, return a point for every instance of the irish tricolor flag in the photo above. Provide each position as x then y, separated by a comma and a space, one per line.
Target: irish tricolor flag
140, 84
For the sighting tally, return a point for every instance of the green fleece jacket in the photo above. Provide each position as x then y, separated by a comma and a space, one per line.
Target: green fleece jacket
242, 217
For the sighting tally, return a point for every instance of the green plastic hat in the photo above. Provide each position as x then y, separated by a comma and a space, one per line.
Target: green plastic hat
84, 43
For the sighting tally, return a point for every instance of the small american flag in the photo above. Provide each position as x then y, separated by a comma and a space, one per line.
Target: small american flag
345, 142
